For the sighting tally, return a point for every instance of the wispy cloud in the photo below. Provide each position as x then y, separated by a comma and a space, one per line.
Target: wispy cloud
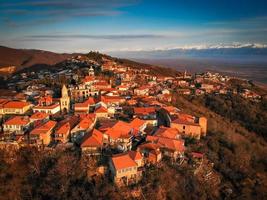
34, 10
100, 37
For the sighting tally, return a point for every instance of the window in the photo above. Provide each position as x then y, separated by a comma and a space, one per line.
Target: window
183, 127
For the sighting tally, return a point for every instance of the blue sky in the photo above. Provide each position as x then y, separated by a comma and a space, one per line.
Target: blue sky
118, 25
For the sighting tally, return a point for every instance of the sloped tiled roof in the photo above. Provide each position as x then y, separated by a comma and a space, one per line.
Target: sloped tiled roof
95, 139
171, 144
123, 161
18, 120
39, 116
137, 123
167, 132
44, 128
16, 104
119, 130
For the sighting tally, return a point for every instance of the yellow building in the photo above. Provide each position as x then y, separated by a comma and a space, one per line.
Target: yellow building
191, 129
14, 107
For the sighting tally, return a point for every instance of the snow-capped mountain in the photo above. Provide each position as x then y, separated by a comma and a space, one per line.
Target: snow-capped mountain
207, 51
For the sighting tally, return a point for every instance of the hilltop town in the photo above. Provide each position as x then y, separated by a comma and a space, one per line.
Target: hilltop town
117, 113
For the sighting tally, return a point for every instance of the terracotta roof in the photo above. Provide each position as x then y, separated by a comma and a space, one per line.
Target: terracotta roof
18, 120
137, 123
111, 99
39, 116
64, 129
85, 123
144, 110
88, 79
101, 109
150, 146
90, 116
46, 107
16, 104
119, 130
172, 144
123, 161
81, 105
135, 155
90, 101
95, 139
44, 128
85, 104
167, 132
66, 125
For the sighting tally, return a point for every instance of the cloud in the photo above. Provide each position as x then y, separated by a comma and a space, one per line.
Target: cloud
52, 10
98, 37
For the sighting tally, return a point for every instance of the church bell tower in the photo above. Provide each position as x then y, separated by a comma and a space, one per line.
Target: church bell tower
64, 100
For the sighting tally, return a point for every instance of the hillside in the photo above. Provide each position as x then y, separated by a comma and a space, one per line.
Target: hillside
22, 58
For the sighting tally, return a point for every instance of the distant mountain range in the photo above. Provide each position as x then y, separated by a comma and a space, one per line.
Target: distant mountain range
234, 51
21, 58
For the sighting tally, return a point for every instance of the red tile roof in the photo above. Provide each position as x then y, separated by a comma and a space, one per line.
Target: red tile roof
112, 99
16, 104
144, 110
47, 107
88, 79
172, 144
137, 123
101, 109
39, 116
135, 155
123, 161
120, 130
18, 120
44, 128
167, 132
85, 123
95, 139
65, 126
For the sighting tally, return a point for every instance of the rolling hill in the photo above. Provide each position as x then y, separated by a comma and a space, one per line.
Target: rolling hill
22, 58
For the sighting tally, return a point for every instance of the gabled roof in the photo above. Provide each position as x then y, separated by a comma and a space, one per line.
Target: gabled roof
44, 128
66, 125
167, 132
120, 130
95, 139
122, 161
85, 123
135, 155
101, 109
137, 123
171, 144
18, 120
64, 129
